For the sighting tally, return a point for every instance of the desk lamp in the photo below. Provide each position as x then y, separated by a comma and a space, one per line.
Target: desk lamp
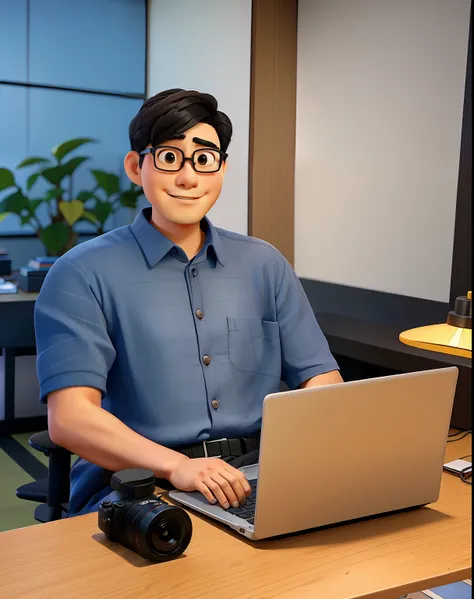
452, 337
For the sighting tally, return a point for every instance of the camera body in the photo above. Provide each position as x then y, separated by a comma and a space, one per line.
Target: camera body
142, 522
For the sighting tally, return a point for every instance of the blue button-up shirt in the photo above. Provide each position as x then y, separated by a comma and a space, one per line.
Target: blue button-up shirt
182, 350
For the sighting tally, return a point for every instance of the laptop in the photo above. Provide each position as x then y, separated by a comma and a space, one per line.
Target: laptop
332, 454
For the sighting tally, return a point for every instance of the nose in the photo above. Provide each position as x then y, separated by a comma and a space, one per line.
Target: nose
187, 177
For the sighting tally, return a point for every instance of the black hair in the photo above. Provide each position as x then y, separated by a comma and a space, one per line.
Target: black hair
172, 112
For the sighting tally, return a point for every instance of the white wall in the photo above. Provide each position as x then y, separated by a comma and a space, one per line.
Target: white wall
379, 107
205, 45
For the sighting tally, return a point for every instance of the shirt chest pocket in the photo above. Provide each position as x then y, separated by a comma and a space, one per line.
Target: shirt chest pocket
254, 345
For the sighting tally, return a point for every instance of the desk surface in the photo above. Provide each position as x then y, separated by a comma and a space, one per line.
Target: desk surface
381, 558
20, 296
378, 344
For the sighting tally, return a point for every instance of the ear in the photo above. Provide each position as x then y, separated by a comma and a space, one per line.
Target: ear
132, 168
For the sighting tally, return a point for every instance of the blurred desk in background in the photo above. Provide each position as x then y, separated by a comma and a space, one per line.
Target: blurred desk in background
17, 338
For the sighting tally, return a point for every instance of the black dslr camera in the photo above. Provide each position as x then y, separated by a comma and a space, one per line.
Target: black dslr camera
140, 521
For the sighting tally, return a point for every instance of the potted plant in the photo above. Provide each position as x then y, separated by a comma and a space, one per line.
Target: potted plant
65, 208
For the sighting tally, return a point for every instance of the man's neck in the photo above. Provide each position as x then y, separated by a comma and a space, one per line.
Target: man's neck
190, 238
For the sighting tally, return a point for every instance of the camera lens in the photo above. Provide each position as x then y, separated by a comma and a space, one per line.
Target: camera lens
165, 535
158, 531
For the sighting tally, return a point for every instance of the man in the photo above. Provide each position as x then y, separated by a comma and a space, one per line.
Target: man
157, 338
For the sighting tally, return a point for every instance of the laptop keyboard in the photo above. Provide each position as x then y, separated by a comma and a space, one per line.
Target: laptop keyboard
246, 511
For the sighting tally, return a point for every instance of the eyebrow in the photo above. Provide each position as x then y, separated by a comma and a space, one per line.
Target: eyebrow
200, 141
205, 142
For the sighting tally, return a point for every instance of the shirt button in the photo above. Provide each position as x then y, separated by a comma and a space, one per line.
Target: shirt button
200, 314
194, 272
215, 404
206, 360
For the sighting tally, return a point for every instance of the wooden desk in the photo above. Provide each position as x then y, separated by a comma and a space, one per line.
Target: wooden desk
381, 558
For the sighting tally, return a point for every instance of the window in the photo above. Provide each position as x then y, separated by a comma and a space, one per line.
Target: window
73, 70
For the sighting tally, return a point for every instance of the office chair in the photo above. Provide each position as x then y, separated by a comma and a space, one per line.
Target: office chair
52, 492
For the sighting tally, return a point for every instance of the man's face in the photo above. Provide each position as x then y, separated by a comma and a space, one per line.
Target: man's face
183, 197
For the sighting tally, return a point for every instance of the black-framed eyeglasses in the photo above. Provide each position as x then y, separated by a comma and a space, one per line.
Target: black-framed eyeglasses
171, 160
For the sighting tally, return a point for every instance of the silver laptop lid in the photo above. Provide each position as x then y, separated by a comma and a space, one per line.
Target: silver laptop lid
336, 453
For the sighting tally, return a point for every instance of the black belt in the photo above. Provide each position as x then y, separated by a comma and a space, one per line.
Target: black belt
221, 448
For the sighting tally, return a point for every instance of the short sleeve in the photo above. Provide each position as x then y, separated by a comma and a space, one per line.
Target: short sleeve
305, 351
73, 346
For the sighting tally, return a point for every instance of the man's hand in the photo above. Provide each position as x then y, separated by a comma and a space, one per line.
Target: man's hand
212, 477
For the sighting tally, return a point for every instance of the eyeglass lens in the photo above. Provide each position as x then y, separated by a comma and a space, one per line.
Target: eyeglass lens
172, 159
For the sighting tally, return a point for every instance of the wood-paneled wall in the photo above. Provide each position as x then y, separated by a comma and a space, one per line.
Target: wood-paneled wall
273, 123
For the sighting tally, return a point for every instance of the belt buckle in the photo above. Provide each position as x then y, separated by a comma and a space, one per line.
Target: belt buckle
206, 443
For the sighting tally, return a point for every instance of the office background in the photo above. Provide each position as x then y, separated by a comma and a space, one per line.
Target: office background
66, 72
351, 151
380, 95
367, 98
79, 70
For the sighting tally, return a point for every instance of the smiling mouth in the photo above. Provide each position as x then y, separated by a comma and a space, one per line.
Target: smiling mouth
184, 197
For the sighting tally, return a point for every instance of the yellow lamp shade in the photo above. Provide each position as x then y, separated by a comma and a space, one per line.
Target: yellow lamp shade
453, 337
442, 338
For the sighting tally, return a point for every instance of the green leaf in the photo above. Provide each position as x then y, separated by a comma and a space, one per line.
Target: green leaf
56, 174
72, 211
54, 237
4, 215
109, 182
32, 160
90, 217
25, 219
84, 196
16, 202
33, 205
32, 180
74, 163
7, 179
68, 146
102, 211
129, 198
53, 193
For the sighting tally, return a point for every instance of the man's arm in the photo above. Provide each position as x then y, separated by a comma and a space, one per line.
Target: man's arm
328, 378
306, 357
77, 422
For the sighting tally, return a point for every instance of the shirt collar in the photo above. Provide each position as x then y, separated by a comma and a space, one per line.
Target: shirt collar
155, 246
